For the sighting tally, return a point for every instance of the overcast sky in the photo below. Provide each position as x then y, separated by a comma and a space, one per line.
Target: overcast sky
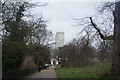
60, 16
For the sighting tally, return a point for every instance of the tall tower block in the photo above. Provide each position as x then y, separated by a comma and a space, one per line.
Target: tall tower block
59, 39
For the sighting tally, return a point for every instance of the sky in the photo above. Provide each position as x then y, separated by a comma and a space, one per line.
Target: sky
61, 16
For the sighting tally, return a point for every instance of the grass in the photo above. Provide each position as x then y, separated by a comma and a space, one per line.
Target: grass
94, 71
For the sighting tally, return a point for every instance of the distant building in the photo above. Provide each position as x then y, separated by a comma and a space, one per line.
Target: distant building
59, 39
54, 62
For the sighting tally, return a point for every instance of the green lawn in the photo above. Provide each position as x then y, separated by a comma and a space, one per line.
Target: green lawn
84, 72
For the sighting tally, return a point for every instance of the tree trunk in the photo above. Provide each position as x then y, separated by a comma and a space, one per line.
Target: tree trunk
116, 55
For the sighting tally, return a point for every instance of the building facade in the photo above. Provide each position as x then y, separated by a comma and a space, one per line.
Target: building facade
59, 39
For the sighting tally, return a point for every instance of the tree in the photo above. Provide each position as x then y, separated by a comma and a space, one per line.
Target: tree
116, 57
14, 32
23, 38
39, 32
67, 55
38, 41
77, 55
41, 55
116, 38
114, 8
105, 50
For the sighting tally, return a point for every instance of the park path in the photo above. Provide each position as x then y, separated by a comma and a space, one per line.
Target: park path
46, 73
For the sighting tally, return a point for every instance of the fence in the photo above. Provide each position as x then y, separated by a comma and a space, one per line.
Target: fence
19, 74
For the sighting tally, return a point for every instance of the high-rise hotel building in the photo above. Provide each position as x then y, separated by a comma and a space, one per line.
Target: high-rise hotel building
59, 39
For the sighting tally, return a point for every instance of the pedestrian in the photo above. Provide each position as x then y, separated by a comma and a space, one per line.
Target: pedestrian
39, 67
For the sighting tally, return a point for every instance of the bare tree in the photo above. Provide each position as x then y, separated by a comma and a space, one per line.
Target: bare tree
116, 38
39, 32
112, 23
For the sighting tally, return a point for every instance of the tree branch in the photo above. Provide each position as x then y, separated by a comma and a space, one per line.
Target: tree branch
111, 37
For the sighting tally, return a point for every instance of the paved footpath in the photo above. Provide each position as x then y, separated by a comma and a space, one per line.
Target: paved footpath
46, 73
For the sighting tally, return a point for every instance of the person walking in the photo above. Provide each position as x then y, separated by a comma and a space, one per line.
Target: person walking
39, 67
